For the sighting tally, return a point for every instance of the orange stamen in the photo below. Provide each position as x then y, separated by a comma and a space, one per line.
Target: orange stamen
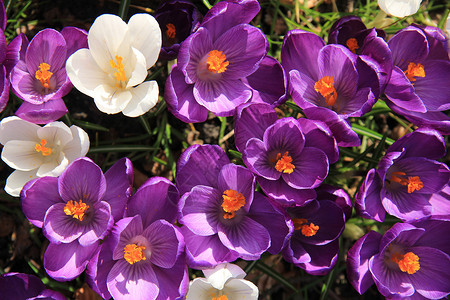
232, 202
216, 62
352, 44
133, 253
307, 230
283, 164
413, 182
223, 297
326, 88
408, 262
119, 74
414, 70
76, 209
43, 74
41, 148
170, 32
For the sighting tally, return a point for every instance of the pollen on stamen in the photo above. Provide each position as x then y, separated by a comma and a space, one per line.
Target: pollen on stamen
171, 31
44, 75
76, 209
216, 62
414, 70
119, 74
306, 230
352, 44
413, 182
232, 202
45, 151
284, 163
134, 253
222, 297
408, 263
325, 87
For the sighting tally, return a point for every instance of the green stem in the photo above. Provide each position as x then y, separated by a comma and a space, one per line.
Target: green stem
123, 8
274, 274
120, 148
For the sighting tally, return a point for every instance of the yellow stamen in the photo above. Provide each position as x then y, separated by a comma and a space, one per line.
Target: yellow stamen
413, 182
46, 151
232, 202
307, 230
76, 209
284, 163
352, 44
414, 70
170, 32
43, 74
216, 62
119, 74
326, 88
408, 262
223, 297
133, 253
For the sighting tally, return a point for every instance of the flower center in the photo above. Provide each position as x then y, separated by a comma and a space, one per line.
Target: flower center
43, 74
232, 202
307, 230
46, 151
352, 44
119, 74
223, 297
170, 32
413, 182
326, 88
283, 164
76, 209
408, 262
216, 61
133, 253
414, 70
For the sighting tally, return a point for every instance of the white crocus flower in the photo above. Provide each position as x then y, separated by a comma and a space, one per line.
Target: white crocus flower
224, 282
113, 69
399, 8
36, 151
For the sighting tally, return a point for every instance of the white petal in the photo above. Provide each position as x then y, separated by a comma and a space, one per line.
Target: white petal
138, 73
145, 35
17, 180
78, 146
399, 8
111, 100
105, 37
21, 155
53, 167
14, 128
55, 133
219, 275
145, 96
84, 73
200, 289
241, 289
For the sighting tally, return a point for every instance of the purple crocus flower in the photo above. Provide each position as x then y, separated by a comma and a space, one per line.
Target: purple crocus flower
407, 179
177, 20
223, 217
410, 261
215, 62
289, 157
369, 44
314, 245
39, 77
19, 286
76, 211
143, 257
419, 88
329, 82
4, 82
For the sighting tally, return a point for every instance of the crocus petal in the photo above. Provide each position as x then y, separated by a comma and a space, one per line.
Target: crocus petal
43, 113
4, 88
407, 206
239, 179
124, 231
99, 224
199, 289
284, 194
37, 196
66, 261
132, 282
241, 288
256, 158
14, 128
249, 238
144, 97
145, 36
368, 199
200, 165
19, 285
399, 9
358, 261
59, 227
432, 89
200, 210
174, 280
16, 181
76, 38
323, 258
440, 203
220, 274
15, 51
402, 42
135, 69
21, 155
78, 146
110, 100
